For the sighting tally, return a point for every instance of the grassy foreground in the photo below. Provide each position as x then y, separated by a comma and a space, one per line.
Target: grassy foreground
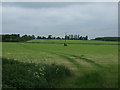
93, 66
30, 75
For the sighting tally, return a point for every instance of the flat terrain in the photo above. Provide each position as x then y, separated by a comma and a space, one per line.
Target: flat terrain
73, 42
93, 65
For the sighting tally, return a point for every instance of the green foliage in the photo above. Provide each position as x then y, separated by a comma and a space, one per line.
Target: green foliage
16, 38
91, 80
108, 38
30, 75
11, 38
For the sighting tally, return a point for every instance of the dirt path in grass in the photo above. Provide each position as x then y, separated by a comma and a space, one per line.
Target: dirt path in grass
70, 82
68, 57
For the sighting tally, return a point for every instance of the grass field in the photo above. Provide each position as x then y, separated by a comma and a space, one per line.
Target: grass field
72, 41
93, 66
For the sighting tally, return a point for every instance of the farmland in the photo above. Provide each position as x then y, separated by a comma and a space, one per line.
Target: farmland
93, 66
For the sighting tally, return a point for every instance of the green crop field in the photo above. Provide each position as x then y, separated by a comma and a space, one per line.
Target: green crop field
92, 66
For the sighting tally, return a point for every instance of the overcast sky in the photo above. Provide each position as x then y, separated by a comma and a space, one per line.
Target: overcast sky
45, 18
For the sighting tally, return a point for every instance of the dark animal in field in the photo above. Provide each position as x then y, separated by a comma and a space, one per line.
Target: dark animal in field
65, 44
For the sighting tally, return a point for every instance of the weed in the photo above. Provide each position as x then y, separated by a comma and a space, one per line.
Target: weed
30, 75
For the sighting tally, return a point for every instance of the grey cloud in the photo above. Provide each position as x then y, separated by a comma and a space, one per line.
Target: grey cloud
38, 4
49, 4
92, 19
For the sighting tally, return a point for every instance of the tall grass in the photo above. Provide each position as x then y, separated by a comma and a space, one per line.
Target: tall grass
91, 80
30, 75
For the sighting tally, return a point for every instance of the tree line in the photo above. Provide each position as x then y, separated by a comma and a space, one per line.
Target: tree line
16, 38
67, 37
76, 37
108, 38
19, 38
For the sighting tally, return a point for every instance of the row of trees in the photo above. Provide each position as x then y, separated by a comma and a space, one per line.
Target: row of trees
76, 37
67, 37
108, 38
49, 37
18, 38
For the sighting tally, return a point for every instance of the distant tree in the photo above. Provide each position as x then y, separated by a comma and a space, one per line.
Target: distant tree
72, 37
62, 38
33, 37
49, 37
11, 38
81, 38
15, 38
99, 38
108, 38
66, 37
38, 37
44, 37
58, 38
75, 37
86, 38
53, 38
18, 38
24, 38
